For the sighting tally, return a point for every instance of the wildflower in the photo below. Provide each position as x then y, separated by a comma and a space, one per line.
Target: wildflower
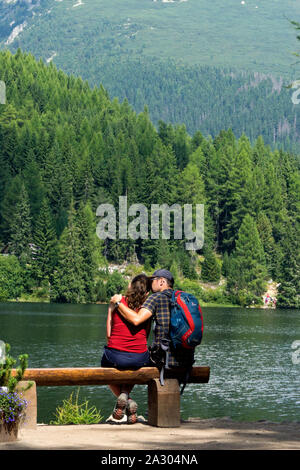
12, 407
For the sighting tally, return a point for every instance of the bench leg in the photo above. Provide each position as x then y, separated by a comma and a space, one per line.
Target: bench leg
164, 403
30, 421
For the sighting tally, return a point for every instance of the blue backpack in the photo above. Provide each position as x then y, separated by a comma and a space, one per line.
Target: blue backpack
186, 320
185, 331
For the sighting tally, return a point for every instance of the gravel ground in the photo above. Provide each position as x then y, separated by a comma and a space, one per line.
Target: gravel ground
194, 434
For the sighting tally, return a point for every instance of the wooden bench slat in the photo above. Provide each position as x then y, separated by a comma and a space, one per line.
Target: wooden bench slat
163, 401
104, 376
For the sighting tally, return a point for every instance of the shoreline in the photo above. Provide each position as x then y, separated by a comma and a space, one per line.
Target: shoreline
203, 304
271, 293
193, 434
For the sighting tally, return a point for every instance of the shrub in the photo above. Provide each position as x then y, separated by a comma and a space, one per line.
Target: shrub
211, 270
216, 296
74, 413
115, 284
6, 366
101, 294
11, 277
12, 405
190, 286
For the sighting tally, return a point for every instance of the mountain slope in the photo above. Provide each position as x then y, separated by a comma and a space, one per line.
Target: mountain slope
176, 57
254, 35
206, 98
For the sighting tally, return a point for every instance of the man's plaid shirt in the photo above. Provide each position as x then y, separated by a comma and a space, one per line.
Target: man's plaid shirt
158, 304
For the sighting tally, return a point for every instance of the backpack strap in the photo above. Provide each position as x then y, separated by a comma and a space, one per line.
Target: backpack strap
171, 298
164, 344
186, 378
171, 295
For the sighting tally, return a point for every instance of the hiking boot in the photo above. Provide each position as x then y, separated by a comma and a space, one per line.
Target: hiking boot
120, 407
131, 410
112, 420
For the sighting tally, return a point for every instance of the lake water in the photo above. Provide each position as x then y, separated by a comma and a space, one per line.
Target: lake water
253, 376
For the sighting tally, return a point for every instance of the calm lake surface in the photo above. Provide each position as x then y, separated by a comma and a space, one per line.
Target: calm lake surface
249, 351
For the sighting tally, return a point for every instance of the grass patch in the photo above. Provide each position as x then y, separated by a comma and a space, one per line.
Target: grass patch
73, 412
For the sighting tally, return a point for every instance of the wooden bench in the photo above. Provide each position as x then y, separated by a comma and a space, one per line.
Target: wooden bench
163, 401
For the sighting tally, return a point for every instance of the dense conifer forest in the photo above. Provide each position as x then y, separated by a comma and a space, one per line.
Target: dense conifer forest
204, 98
66, 148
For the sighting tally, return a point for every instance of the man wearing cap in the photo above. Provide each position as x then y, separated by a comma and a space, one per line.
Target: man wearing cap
157, 306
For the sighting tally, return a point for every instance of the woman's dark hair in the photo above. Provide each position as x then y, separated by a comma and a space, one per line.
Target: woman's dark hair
137, 292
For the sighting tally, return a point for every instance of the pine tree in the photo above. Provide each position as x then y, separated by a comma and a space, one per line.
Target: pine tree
9, 138
163, 256
59, 186
191, 190
236, 204
210, 271
247, 273
21, 229
269, 245
261, 154
196, 141
90, 249
166, 133
174, 270
146, 135
274, 200
256, 191
85, 182
181, 146
160, 177
289, 289
293, 194
45, 240
225, 264
35, 188
198, 158
186, 264
5, 178
217, 185
8, 205
68, 284
42, 148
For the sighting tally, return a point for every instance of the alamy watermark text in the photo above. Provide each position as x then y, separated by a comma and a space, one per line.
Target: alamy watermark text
2, 92
183, 226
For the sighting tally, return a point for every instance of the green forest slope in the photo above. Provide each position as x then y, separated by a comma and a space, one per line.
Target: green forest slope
207, 99
66, 148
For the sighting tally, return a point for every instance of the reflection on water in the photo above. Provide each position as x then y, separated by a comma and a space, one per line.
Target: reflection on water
249, 352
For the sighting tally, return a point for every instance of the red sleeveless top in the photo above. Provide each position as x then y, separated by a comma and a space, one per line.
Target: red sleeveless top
125, 336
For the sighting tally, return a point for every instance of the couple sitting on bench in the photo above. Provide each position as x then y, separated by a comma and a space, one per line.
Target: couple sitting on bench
128, 327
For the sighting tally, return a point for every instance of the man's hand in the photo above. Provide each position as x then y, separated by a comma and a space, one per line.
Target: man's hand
116, 298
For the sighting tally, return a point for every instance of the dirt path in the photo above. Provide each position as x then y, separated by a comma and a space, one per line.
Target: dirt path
194, 434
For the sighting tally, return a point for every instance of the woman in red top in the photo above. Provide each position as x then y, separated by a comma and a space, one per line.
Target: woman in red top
127, 346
